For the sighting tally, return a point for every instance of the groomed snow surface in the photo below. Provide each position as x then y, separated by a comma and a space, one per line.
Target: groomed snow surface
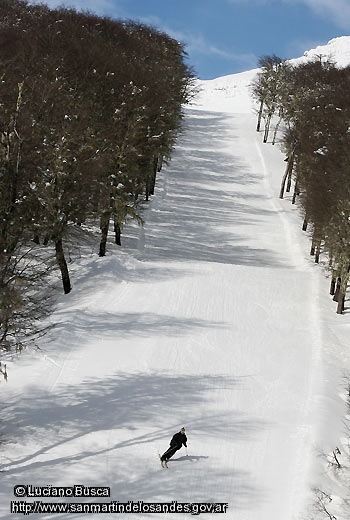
211, 317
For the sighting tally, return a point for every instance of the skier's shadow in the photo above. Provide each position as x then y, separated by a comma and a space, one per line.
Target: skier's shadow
189, 458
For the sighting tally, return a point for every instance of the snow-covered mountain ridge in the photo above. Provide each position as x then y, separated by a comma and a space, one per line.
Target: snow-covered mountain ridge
337, 49
231, 93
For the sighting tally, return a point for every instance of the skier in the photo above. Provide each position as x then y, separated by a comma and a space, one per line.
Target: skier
176, 443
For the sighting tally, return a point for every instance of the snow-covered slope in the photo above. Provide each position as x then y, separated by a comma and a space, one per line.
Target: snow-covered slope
231, 93
337, 49
212, 316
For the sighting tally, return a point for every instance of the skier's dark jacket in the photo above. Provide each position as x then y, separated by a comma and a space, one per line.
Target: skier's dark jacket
179, 439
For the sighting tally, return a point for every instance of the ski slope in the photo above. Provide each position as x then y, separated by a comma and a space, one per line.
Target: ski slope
211, 316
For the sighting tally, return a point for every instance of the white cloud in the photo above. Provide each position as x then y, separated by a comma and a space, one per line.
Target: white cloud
196, 44
337, 10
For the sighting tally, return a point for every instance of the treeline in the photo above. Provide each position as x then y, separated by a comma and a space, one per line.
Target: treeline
313, 102
89, 109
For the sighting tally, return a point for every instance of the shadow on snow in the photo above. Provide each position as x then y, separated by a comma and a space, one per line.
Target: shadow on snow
202, 215
95, 422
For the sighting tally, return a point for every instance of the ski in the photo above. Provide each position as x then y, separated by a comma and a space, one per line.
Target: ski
163, 463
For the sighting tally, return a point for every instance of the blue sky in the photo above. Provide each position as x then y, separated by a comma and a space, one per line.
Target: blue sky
227, 36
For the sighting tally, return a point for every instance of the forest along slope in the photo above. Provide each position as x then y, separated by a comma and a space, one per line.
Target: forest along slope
206, 318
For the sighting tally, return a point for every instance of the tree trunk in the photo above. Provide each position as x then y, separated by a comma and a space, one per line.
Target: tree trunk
304, 228
342, 290
104, 226
267, 128
155, 163
153, 175
276, 130
283, 183
152, 182
160, 163
337, 290
332, 287
147, 187
260, 116
317, 253
118, 232
296, 192
341, 303
287, 173
62, 264
289, 180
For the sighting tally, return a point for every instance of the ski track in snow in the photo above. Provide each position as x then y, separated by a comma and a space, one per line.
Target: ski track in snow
207, 318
